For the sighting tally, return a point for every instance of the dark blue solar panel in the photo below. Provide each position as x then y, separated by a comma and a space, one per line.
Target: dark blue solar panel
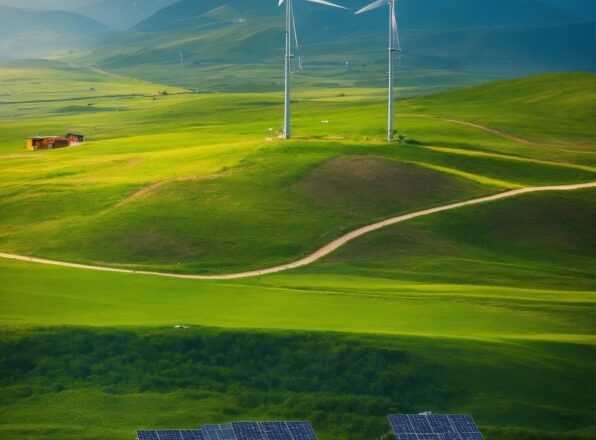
301, 431
463, 423
218, 432
274, 431
193, 434
401, 423
420, 424
171, 434
248, 431
434, 427
440, 424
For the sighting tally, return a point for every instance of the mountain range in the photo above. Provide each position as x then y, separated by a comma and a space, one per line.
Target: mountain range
27, 33
472, 40
114, 14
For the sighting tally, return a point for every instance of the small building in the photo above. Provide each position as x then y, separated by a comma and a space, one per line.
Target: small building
75, 138
47, 142
51, 142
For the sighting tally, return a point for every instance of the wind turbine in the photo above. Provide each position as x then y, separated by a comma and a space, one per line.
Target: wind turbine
394, 47
291, 26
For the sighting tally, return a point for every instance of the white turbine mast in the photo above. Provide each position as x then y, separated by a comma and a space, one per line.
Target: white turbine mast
394, 47
291, 28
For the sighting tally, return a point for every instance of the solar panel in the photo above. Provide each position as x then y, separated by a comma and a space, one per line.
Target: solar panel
274, 431
434, 427
172, 434
193, 434
248, 431
218, 432
301, 431
237, 431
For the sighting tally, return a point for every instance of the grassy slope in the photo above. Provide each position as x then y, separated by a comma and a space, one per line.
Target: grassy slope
102, 383
527, 326
545, 240
551, 108
502, 343
143, 162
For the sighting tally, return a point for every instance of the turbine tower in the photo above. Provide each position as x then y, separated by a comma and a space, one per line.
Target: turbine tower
394, 47
291, 27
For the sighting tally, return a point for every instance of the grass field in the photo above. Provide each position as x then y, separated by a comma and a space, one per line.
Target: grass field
486, 309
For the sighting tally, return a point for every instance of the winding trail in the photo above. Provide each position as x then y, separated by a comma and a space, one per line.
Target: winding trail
481, 127
325, 250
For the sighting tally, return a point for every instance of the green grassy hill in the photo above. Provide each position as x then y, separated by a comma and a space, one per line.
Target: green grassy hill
134, 168
471, 310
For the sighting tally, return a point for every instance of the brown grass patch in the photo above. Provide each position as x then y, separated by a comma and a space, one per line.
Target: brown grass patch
360, 181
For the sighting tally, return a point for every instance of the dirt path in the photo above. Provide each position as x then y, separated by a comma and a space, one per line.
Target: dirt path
485, 128
325, 250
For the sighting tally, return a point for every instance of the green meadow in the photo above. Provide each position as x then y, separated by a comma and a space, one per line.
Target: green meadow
487, 309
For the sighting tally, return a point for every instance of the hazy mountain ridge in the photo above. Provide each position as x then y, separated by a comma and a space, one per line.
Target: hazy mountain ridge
422, 14
494, 39
27, 33
508, 38
115, 14
122, 14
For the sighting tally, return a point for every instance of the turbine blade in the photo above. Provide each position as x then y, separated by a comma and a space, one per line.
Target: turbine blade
295, 31
281, 2
394, 27
395, 31
372, 6
326, 3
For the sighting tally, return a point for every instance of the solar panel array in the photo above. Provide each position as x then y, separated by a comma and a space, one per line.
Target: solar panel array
274, 431
173, 434
238, 431
434, 427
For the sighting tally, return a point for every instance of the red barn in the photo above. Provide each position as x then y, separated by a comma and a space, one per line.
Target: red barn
47, 142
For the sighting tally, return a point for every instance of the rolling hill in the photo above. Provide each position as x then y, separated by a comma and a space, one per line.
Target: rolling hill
29, 33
